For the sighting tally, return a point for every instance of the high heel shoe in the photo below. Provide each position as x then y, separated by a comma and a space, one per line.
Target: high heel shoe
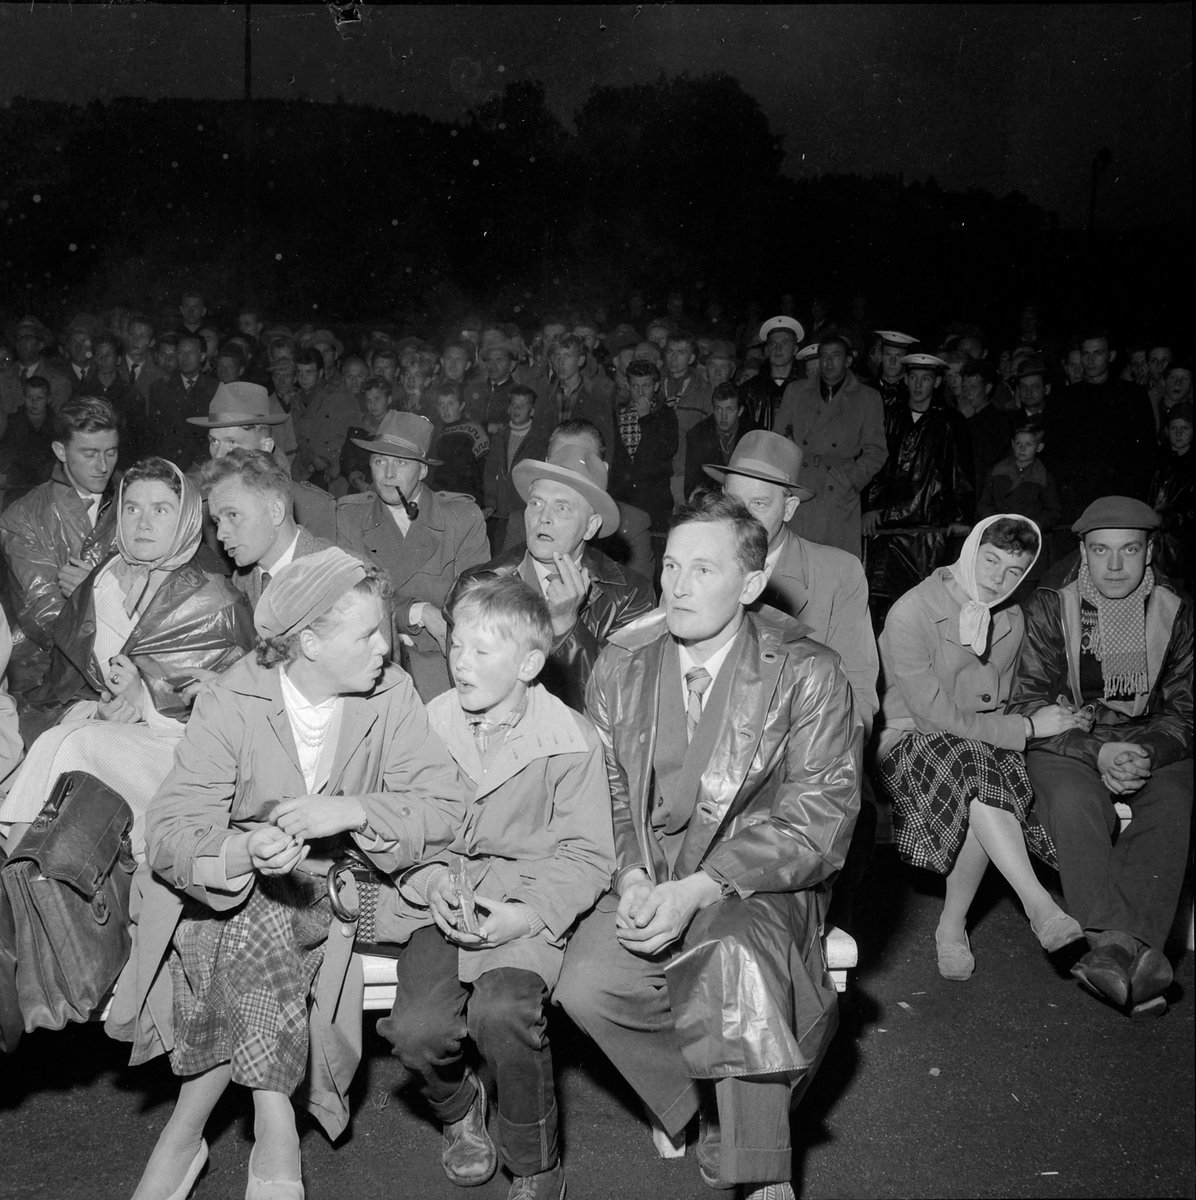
271, 1189
1057, 931
193, 1173
955, 961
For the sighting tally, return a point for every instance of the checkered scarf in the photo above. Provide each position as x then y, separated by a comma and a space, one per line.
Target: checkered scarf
1119, 639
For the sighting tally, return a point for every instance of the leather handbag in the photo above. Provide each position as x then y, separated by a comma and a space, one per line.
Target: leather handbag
66, 889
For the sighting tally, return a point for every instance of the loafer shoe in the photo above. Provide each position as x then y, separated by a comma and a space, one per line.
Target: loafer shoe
1057, 931
1105, 971
956, 962
271, 1189
1150, 975
468, 1155
547, 1185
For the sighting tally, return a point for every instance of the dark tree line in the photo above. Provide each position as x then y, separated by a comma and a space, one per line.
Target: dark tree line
369, 212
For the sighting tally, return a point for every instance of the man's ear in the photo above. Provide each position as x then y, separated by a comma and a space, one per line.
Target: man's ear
1112, 355
1046, 389
59, 451
267, 445
593, 525
753, 585
1149, 549
791, 503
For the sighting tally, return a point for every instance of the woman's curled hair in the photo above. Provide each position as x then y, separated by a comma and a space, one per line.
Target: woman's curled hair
1011, 535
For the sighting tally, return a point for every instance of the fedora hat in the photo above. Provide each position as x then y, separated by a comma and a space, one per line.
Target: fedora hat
767, 456
239, 403
402, 435
573, 465
325, 337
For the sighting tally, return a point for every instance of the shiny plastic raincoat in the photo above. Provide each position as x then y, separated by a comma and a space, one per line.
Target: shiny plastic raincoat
926, 485
776, 805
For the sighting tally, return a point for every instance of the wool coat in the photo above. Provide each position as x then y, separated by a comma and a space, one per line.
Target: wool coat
843, 447
236, 760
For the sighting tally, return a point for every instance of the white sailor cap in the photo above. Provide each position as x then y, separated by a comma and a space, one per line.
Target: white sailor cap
781, 323
891, 337
810, 351
924, 360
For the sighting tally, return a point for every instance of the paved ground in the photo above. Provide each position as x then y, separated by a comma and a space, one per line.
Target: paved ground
1013, 1084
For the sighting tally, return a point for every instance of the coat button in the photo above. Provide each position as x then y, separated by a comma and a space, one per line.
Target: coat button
985, 697
346, 930
660, 802
405, 811
643, 738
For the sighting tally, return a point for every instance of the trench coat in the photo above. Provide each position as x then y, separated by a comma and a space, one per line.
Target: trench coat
775, 809
843, 446
537, 829
235, 761
824, 588
447, 538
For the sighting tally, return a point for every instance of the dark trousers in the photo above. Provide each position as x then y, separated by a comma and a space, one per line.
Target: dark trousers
1130, 882
503, 1012
622, 1002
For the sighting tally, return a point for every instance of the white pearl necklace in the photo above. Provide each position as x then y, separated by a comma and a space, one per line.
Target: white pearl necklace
312, 733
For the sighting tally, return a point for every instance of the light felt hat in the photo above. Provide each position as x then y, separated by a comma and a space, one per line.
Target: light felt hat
238, 403
573, 465
402, 435
767, 456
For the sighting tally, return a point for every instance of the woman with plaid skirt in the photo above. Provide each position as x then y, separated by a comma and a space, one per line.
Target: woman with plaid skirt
950, 757
310, 768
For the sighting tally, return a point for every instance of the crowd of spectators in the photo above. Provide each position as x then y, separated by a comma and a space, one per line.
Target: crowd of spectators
992, 535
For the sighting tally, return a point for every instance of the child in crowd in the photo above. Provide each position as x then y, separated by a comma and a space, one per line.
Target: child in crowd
461, 445
535, 851
1020, 484
509, 444
355, 462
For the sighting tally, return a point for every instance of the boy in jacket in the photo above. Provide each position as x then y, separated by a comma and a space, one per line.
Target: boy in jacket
485, 926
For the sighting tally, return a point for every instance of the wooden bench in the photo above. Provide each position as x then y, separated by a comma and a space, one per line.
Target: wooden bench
841, 956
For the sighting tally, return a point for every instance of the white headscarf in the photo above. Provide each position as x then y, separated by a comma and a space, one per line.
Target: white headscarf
975, 618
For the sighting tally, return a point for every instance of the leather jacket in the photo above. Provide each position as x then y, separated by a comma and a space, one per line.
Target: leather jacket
617, 596
1049, 665
193, 620
38, 534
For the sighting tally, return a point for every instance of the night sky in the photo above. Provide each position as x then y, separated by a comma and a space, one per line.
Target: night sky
995, 97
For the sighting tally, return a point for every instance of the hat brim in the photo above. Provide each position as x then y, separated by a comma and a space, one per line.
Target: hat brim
395, 451
529, 470
719, 473
232, 420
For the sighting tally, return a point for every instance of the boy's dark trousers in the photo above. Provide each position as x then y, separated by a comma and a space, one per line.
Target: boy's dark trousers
503, 1012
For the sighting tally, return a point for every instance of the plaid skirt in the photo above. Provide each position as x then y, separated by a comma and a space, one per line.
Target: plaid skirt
242, 982
932, 780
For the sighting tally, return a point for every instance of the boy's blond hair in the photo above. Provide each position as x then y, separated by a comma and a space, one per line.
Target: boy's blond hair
508, 606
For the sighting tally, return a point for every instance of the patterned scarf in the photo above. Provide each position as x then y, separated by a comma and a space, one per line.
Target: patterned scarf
629, 428
1118, 642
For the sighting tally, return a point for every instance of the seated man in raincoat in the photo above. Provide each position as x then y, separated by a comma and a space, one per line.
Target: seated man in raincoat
733, 749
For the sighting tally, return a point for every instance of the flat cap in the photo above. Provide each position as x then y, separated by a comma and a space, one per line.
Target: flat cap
1116, 512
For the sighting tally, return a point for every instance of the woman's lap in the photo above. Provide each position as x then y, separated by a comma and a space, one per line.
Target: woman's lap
242, 983
932, 780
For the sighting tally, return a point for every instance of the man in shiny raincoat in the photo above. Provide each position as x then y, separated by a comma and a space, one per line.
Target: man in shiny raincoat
925, 494
733, 750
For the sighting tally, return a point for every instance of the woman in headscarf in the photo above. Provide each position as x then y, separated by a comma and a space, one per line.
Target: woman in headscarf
950, 757
308, 766
129, 647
